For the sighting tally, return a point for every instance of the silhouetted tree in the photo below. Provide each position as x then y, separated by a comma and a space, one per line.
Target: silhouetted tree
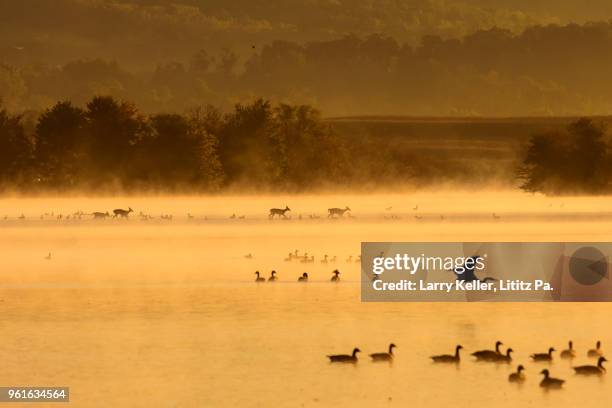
173, 153
306, 151
112, 130
59, 151
244, 144
567, 162
204, 126
544, 167
588, 155
15, 150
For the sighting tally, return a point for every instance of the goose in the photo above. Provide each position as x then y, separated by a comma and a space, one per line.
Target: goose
48, 257
550, 382
344, 358
336, 277
248, 256
488, 355
570, 352
289, 258
500, 358
543, 356
259, 278
384, 356
448, 358
517, 377
596, 352
272, 277
303, 278
599, 369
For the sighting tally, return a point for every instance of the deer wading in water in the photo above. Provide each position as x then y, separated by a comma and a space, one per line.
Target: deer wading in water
278, 211
122, 213
332, 212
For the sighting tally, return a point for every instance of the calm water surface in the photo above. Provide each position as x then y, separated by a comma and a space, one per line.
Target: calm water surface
166, 314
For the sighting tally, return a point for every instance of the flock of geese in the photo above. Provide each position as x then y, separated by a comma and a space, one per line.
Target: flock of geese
309, 258
303, 278
496, 356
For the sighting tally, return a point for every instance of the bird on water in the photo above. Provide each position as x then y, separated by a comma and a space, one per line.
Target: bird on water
599, 369
488, 355
448, 358
596, 352
518, 376
344, 358
543, 356
384, 356
570, 352
550, 382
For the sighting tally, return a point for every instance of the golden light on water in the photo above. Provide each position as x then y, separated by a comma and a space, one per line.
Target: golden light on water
170, 311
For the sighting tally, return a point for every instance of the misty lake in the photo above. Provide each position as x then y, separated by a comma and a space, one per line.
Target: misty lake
135, 313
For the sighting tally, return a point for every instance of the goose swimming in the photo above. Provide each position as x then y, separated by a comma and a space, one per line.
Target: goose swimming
570, 352
500, 358
550, 382
596, 352
303, 278
272, 277
488, 355
599, 369
448, 358
336, 277
259, 278
517, 377
543, 356
384, 356
344, 358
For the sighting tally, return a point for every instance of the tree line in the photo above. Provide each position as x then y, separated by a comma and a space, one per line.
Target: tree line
574, 160
109, 144
544, 70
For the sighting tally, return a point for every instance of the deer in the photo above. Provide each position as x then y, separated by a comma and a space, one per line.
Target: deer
278, 211
100, 215
122, 213
332, 212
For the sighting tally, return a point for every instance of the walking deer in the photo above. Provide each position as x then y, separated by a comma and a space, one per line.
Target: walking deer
122, 213
278, 211
100, 215
332, 212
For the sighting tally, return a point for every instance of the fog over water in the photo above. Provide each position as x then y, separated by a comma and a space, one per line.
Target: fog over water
167, 313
